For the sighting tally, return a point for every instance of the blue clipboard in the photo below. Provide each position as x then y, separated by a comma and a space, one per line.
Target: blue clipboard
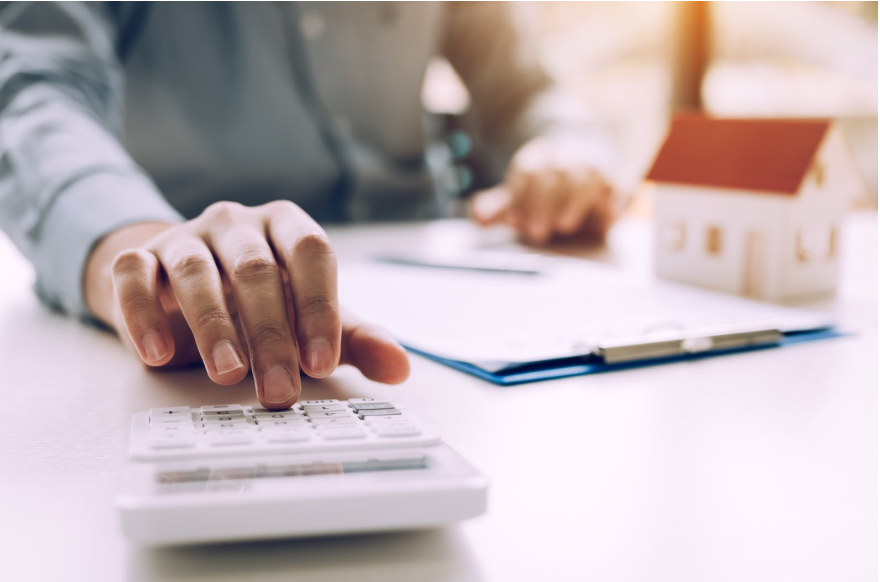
591, 364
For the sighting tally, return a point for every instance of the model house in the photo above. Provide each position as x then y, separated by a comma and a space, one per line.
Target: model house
752, 206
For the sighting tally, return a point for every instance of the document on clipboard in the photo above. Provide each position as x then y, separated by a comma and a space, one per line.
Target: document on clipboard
574, 317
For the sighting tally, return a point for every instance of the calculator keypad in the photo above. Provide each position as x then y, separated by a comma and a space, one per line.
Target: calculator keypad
181, 431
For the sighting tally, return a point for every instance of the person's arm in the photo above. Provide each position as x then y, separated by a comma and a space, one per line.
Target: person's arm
65, 180
557, 156
106, 245
240, 289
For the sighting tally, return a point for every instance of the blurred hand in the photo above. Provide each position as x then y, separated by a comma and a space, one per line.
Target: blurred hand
551, 189
239, 288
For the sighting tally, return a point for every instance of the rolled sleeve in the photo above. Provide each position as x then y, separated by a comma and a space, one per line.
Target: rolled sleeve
65, 179
88, 210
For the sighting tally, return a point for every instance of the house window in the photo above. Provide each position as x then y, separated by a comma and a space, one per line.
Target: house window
674, 237
714, 237
816, 243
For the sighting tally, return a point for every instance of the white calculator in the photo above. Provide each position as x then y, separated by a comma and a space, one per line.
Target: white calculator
324, 467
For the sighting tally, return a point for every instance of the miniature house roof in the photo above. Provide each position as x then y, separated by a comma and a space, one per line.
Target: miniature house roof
767, 155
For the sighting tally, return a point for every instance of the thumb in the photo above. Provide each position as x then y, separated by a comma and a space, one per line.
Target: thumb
373, 351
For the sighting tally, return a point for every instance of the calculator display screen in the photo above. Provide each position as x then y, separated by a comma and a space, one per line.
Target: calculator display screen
263, 471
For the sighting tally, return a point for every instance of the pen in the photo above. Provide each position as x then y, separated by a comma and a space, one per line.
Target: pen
511, 263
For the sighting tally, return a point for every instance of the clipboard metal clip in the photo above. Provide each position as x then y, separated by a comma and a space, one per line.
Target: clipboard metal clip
633, 349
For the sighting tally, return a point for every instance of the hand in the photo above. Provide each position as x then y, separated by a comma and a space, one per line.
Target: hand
240, 288
551, 188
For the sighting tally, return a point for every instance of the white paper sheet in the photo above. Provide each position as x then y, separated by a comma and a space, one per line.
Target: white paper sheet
484, 317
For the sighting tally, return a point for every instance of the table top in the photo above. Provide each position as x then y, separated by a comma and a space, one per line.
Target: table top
758, 466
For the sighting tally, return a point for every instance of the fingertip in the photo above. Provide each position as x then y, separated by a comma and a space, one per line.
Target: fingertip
489, 206
537, 234
278, 390
568, 225
378, 355
398, 371
480, 219
229, 378
156, 348
319, 358
226, 366
269, 405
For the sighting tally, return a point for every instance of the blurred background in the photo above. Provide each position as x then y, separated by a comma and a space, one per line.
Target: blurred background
636, 63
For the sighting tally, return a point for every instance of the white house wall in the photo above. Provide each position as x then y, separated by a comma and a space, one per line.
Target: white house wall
735, 212
818, 205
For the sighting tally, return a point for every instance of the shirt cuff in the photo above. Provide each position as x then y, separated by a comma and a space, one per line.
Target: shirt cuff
81, 215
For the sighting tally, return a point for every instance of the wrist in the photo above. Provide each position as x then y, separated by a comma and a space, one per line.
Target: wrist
98, 282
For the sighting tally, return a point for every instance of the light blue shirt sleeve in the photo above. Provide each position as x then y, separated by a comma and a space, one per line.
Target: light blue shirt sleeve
65, 180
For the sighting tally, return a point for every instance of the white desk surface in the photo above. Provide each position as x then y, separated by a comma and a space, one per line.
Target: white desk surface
759, 466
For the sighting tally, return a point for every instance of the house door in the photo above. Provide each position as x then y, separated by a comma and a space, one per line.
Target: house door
755, 264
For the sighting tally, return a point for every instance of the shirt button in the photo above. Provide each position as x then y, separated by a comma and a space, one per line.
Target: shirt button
312, 25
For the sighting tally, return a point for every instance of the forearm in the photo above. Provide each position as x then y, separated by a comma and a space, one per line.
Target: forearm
65, 180
514, 100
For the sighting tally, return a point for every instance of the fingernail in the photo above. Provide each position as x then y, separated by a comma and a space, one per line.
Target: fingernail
155, 346
319, 355
226, 358
277, 385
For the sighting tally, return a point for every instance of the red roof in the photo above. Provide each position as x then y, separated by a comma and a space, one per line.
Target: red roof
770, 155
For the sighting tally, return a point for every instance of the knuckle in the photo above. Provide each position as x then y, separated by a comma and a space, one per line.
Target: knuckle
166, 239
285, 206
136, 303
317, 305
223, 211
190, 266
268, 335
212, 318
526, 175
129, 260
254, 266
313, 243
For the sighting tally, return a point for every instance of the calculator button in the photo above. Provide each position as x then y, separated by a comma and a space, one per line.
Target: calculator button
332, 414
214, 420
324, 407
177, 420
356, 401
288, 415
397, 431
337, 420
293, 422
373, 406
293, 410
319, 402
212, 413
169, 413
221, 426
386, 412
221, 408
